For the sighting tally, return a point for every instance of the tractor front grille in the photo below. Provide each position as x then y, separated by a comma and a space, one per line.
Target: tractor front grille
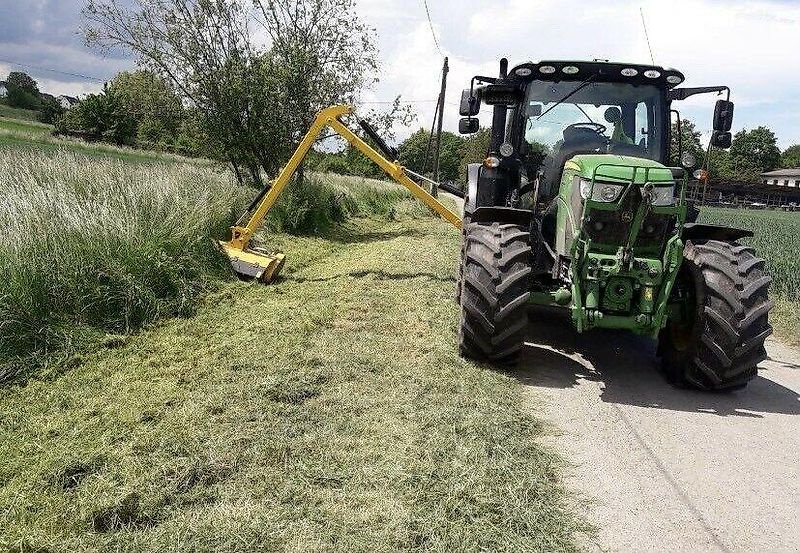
612, 227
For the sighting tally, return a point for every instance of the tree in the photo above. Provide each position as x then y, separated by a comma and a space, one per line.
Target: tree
690, 141
255, 103
154, 106
413, 153
790, 158
23, 91
474, 150
752, 153
100, 117
23, 81
50, 109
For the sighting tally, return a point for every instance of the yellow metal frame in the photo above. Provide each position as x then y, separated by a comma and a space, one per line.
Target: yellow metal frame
270, 264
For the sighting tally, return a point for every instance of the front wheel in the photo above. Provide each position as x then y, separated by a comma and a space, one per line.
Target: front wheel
495, 292
715, 337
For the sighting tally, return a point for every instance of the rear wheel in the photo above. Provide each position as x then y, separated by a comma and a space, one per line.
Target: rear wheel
495, 292
718, 340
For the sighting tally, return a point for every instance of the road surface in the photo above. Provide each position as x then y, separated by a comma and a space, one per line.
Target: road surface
662, 469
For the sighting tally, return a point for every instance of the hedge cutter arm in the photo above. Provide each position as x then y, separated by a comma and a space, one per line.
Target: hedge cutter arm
251, 262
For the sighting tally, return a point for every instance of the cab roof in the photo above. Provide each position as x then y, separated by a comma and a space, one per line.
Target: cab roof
605, 71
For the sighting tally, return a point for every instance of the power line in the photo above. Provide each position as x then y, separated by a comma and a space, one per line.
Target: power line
646, 36
79, 75
430, 24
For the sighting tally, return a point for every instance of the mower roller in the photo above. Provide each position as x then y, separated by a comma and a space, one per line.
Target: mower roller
260, 264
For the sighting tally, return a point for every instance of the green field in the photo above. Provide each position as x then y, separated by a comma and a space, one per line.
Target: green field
36, 137
777, 239
17, 113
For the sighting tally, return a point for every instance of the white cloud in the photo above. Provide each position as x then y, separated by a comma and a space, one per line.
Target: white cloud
749, 45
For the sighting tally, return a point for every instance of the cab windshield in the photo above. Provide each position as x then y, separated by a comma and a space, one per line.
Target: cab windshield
609, 117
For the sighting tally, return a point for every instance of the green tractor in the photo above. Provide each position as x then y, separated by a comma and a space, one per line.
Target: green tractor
578, 205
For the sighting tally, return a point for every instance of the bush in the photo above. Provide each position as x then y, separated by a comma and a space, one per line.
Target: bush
89, 247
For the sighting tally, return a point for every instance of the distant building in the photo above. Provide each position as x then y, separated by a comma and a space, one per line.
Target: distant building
789, 178
3, 89
67, 101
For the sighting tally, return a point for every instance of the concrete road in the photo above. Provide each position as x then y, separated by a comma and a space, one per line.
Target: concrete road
664, 469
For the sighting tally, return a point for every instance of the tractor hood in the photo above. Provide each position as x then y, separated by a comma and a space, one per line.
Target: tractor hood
617, 168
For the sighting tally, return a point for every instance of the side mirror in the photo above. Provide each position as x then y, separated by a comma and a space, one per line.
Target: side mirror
470, 105
468, 125
501, 95
723, 116
721, 140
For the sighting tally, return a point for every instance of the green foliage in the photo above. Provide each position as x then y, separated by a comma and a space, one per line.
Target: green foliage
154, 106
474, 150
100, 117
790, 158
318, 203
751, 153
93, 246
22, 99
23, 91
414, 148
23, 81
690, 141
50, 110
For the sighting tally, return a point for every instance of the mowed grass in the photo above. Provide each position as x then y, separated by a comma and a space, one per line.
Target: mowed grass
326, 412
777, 239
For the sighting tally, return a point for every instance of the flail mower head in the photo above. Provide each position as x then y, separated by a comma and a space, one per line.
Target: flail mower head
253, 263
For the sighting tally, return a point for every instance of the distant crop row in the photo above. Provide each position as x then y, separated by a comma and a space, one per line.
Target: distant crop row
777, 239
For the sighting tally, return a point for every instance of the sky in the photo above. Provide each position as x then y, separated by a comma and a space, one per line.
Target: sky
749, 45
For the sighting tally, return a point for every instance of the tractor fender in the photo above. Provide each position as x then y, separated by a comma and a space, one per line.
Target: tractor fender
497, 214
702, 231
473, 172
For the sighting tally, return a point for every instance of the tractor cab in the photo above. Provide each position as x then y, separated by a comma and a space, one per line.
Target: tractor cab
548, 112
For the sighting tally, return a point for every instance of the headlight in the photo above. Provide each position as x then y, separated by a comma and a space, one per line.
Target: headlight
664, 195
603, 191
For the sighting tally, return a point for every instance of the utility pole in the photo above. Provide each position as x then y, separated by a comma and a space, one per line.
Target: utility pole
440, 114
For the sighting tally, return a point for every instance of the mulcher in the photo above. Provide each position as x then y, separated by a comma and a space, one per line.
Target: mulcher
578, 205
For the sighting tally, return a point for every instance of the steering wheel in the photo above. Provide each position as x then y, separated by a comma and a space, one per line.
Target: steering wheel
599, 128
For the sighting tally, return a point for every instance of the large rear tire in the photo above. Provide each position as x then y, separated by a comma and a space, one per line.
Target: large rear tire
719, 342
495, 292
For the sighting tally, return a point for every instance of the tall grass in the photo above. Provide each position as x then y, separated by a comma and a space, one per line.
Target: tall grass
323, 200
92, 246
96, 246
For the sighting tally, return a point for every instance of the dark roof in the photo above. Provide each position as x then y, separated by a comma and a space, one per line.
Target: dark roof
783, 173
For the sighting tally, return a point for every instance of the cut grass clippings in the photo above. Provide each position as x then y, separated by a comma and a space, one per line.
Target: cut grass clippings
326, 412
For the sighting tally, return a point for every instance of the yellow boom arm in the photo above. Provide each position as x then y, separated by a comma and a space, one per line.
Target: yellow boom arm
256, 263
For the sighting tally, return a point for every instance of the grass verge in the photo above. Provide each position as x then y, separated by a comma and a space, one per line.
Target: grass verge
327, 412
95, 247
89, 247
